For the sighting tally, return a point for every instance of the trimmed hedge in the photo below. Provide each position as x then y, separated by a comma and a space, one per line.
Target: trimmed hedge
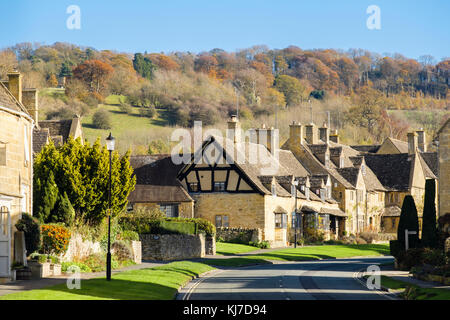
144, 225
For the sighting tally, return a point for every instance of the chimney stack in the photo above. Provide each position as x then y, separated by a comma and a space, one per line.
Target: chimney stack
334, 136
295, 134
30, 101
324, 134
15, 85
311, 133
421, 140
412, 142
267, 137
234, 129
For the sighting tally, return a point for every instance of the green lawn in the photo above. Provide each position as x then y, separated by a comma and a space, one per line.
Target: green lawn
225, 248
418, 293
158, 283
304, 254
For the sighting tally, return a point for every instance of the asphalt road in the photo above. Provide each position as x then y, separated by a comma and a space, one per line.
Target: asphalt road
312, 280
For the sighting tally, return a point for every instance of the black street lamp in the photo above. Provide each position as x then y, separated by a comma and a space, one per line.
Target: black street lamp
110, 141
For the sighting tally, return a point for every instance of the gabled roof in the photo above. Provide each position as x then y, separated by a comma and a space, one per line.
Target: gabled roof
432, 160
402, 146
350, 174
40, 139
57, 127
156, 180
392, 170
372, 148
8, 101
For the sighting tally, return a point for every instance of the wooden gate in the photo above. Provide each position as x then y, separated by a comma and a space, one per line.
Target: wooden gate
5, 242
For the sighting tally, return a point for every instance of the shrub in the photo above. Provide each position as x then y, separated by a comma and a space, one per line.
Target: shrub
55, 239
434, 257
411, 258
368, 236
128, 235
314, 236
125, 108
101, 119
31, 229
148, 112
97, 262
360, 240
83, 268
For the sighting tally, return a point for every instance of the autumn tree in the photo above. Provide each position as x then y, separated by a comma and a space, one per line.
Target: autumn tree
366, 109
94, 73
206, 64
292, 89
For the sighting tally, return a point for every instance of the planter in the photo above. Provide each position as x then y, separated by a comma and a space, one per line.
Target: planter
39, 270
23, 274
55, 269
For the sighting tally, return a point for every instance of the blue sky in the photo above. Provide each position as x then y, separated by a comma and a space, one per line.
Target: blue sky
412, 28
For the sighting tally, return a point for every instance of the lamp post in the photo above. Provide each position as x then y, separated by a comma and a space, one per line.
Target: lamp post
110, 141
295, 219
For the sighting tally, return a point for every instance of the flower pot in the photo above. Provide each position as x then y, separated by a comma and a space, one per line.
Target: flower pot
23, 274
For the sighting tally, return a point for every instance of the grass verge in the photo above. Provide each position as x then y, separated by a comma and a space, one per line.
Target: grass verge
226, 248
158, 283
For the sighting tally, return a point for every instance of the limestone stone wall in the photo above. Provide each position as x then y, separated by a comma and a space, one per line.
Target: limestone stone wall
210, 245
243, 234
444, 170
79, 248
172, 246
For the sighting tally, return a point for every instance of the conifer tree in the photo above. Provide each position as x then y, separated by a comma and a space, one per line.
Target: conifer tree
63, 211
408, 220
429, 229
46, 195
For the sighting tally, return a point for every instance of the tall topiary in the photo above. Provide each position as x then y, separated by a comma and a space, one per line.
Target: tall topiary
31, 229
429, 226
408, 220
45, 197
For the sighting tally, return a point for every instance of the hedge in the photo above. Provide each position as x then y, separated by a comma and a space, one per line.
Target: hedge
168, 225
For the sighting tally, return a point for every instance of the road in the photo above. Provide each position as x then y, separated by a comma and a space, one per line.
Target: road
312, 280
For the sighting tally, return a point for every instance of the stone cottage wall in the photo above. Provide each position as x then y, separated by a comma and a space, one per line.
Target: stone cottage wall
239, 234
172, 246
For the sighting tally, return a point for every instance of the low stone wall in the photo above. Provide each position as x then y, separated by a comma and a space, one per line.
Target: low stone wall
235, 234
172, 246
80, 248
210, 245
136, 247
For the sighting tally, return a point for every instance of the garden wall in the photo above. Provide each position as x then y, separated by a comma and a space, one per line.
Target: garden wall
80, 248
172, 246
239, 235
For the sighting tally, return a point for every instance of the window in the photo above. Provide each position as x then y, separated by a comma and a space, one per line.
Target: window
307, 193
341, 162
329, 192
219, 186
281, 220
274, 190
351, 195
193, 186
363, 169
222, 221
340, 194
322, 194
171, 210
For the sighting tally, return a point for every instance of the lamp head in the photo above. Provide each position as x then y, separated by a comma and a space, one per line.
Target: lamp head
110, 141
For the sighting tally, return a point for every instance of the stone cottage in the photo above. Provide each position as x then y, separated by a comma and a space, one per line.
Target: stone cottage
443, 141
17, 106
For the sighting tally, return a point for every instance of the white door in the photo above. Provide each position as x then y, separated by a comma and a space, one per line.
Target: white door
5, 239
